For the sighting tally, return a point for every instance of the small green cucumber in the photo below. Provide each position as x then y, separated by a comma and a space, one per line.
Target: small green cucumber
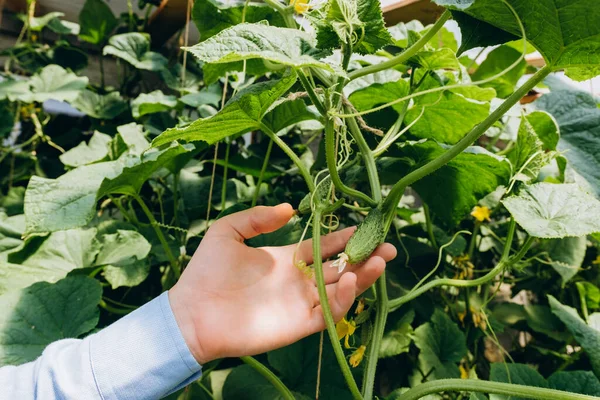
369, 235
320, 196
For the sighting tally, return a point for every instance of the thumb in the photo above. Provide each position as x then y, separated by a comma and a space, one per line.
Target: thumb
252, 222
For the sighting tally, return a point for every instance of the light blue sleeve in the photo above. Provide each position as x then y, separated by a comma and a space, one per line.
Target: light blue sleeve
141, 356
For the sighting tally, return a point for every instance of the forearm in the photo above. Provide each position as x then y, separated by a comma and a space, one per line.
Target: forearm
141, 356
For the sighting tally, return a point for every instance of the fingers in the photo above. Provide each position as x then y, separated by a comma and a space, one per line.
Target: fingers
386, 251
252, 222
331, 245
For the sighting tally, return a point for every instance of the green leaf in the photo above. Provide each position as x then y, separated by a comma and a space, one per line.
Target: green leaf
476, 33
211, 94
448, 106
98, 106
13, 201
97, 22
442, 346
14, 90
397, 339
43, 313
443, 58
463, 181
56, 83
124, 254
585, 335
154, 102
540, 319
359, 22
64, 27
213, 16
380, 93
289, 47
36, 24
128, 275
70, 200
546, 128
589, 292
11, 231
286, 113
87, 153
519, 374
241, 114
578, 117
131, 179
134, 138
566, 256
547, 210
245, 383
566, 33
50, 258
134, 47
497, 61
527, 156
583, 382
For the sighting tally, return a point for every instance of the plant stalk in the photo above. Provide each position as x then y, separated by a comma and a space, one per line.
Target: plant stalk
326, 309
262, 173
378, 331
398, 189
270, 376
311, 93
480, 386
406, 54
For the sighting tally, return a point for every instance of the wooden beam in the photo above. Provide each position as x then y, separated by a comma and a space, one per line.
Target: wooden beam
407, 10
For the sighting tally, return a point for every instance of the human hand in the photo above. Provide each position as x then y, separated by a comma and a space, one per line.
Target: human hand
233, 300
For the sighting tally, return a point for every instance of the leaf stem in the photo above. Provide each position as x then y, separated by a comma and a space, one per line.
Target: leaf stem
270, 376
378, 331
160, 235
501, 266
368, 159
311, 93
330, 156
509, 238
398, 189
326, 309
429, 225
480, 386
225, 171
290, 153
262, 173
406, 54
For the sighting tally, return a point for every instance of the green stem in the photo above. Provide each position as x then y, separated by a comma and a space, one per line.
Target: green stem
262, 173
378, 331
473, 240
270, 376
311, 93
480, 386
368, 159
509, 238
406, 54
326, 309
398, 189
225, 170
286, 12
290, 153
160, 235
331, 158
501, 266
429, 226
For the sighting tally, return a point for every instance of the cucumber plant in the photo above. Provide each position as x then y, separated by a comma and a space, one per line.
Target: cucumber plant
403, 130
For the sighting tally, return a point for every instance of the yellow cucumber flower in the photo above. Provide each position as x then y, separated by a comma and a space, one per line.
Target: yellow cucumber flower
481, 213
596, 261
345, 329
300, 6
357, 356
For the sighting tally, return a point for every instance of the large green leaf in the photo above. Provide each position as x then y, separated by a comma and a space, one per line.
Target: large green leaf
583, 382
464, 114
68, 201
56, 83
43, 313
213, 16
442, 346
497, 61
476, 33
547, 210
528, 156
241, 114
14, 90
100, 106
397, 338
359, 22
567, 255
462, 182
519, 374
123, 254
97, 21
443, 58
11, 231
287, 113
378, 94
566, 33
87, 153
134, 47
150, 103
587, 336
578, 117
289, 47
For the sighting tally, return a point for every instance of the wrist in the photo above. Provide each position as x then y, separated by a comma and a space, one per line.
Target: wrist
186, 323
